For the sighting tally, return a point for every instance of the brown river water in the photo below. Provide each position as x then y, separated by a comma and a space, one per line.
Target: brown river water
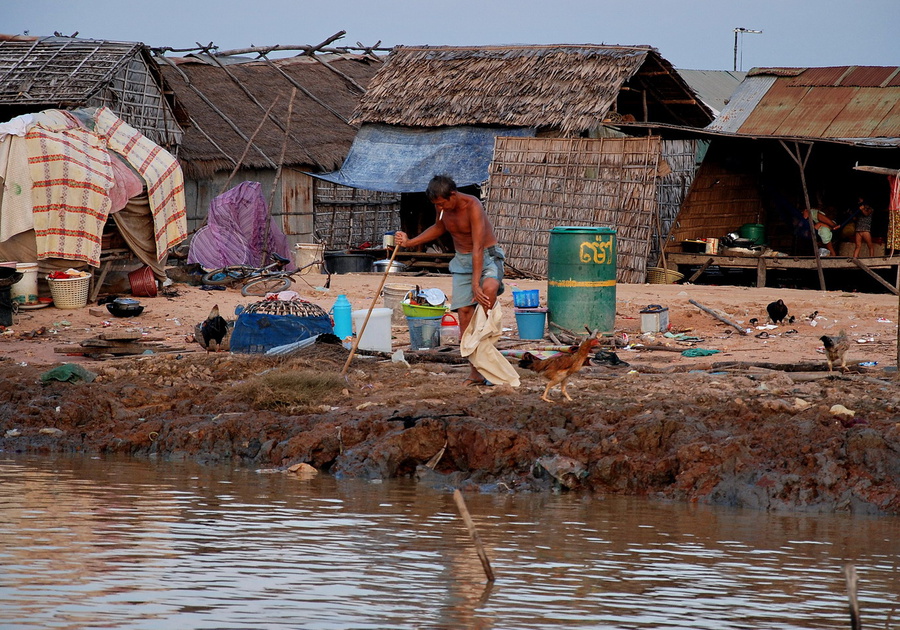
99, 543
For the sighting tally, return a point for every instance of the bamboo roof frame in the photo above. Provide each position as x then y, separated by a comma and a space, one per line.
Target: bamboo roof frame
325, 151
64, 72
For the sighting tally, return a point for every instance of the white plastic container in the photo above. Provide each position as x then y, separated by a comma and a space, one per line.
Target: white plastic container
307, 254
393, 298
25, 291
377, 335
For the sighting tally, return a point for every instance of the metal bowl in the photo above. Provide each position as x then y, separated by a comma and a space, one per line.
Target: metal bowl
125, 310
380, 266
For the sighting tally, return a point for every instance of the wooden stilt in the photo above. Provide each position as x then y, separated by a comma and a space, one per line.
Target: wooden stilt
479, 548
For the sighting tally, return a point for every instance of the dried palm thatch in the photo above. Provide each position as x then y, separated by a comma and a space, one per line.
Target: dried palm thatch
66, 72
571, 88
227, 98
539, 183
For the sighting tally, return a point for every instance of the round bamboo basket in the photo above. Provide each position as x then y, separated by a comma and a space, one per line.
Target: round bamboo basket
658, 275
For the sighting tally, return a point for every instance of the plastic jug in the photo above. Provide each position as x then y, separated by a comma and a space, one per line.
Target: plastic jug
449, 330
341, 314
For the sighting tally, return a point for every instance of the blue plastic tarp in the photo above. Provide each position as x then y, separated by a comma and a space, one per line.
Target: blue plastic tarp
259, 332
389, 158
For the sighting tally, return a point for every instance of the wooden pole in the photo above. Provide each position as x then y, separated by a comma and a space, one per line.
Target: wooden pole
850, 575
362, 329
287, 134
479, 548
719, 316
249, 144
812, 228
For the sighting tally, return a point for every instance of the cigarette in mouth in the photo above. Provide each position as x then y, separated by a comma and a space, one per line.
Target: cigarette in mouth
441, 216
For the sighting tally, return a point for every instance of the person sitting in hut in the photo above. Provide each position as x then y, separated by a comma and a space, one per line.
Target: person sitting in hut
824, 227
864, 228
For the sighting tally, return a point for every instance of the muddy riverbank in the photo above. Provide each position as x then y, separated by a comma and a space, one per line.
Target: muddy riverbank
761, 440
740, 427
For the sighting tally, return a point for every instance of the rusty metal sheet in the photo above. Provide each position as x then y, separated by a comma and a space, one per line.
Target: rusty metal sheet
772, 115
867, 115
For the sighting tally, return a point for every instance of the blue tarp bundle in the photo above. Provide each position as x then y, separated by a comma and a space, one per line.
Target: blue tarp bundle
389, 158
258, 332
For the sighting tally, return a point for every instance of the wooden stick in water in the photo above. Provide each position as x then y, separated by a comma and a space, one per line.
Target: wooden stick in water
479, 548
850, 575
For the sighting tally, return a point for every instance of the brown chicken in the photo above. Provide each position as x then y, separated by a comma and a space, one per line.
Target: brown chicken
557, 369
835, 349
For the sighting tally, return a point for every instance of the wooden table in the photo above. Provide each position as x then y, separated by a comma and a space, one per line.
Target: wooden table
762, 264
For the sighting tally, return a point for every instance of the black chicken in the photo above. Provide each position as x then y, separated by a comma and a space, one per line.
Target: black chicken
777, 311
213, 328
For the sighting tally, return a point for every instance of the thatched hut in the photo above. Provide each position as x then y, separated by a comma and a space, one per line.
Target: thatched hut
444, 106
38, 73
243, 125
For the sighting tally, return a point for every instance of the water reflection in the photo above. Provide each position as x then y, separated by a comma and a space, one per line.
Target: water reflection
134, 544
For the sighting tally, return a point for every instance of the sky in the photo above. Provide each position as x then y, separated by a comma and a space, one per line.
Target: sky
691, 34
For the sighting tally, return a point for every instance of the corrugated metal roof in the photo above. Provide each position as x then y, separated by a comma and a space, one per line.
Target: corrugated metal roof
746, 97
849, 103
714, 87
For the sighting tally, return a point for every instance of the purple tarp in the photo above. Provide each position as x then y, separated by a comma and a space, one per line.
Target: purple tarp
235, 231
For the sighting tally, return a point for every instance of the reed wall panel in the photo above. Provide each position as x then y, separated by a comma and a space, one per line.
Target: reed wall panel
539, 183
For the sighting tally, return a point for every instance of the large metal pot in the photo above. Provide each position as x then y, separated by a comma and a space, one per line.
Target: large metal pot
380, 266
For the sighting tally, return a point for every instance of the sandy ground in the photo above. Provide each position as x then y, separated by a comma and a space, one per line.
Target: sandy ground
869, 319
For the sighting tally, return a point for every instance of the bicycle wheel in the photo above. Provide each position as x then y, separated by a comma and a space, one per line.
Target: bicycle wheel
227, 275
266, 285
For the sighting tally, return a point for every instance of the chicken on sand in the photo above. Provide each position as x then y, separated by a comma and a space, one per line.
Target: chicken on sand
213, 328
835, 349
557, 369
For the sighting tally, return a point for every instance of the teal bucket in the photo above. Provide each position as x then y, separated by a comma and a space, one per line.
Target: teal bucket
756, 232
424, 332
531, 323
581, 278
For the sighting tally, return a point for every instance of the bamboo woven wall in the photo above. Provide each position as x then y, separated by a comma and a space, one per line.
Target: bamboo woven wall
540, 183
719, 202
346, 217
681, 156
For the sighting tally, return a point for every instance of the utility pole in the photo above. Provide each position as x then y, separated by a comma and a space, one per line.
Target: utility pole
740, 31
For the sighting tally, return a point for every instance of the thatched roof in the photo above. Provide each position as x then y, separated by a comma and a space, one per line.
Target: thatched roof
227, 98
66, 72
572, 88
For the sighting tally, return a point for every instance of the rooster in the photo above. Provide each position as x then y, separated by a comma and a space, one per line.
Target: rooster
557, 369
213, 328
835, 349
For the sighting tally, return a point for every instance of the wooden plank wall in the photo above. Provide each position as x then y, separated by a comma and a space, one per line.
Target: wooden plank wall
539, 183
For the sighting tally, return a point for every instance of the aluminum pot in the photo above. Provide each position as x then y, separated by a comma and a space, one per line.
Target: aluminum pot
380, 266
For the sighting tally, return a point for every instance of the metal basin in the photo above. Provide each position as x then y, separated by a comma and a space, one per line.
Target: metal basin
380, 266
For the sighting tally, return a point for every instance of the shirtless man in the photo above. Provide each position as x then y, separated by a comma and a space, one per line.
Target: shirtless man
477, 267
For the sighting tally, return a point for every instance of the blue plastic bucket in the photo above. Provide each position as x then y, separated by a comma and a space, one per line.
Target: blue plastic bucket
424, 332
531, 323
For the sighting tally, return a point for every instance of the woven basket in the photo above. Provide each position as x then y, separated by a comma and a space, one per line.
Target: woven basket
296, 307
143, 282
70, 292
658, 275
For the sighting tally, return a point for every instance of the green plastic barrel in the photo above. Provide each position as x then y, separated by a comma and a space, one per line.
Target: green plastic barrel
581, 279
